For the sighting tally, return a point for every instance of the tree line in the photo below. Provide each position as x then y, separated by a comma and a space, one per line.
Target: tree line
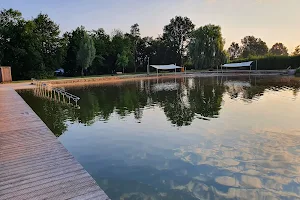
35, 48
255, 47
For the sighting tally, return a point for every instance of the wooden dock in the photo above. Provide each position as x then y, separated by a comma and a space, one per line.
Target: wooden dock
33, 163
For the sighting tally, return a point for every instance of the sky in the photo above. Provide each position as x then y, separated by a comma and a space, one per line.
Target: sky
271, 20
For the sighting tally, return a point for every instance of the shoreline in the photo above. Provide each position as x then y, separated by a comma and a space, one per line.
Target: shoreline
73, 82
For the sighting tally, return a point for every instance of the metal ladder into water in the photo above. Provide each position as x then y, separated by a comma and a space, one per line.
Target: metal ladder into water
44, 90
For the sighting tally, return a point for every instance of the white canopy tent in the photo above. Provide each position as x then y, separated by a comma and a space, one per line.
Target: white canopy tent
238, 65
165, 67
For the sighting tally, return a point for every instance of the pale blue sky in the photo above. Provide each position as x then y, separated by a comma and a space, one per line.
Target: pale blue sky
272, 20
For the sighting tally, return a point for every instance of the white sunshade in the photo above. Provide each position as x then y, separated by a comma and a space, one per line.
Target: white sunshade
166, 67
242, 64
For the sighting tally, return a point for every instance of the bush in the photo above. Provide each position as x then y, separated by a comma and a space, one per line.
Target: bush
188, 65
297, 73
273, 62
39, 74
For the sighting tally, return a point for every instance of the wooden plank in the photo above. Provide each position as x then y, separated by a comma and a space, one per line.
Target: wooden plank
33, 163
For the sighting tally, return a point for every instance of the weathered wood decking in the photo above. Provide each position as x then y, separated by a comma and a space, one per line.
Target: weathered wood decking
33, 163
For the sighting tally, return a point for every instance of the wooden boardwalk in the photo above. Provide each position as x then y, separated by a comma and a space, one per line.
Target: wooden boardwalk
33, 163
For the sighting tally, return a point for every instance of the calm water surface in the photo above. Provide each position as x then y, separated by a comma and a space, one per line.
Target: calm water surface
184, 138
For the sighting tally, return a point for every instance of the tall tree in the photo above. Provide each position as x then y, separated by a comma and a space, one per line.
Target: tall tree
122, 60
279, 49
12, 51
253, 46
74, 39
86, 53
61, 52
31, 47
122, 46
141, 52
234, 51
47, 40
102, 43
176, 35
297, 51
206, 47
135, 34
135, 30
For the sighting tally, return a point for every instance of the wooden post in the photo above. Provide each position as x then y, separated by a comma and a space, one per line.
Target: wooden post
256, 65
148, 67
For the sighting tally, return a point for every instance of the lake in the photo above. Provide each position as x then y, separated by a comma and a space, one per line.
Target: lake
235, 137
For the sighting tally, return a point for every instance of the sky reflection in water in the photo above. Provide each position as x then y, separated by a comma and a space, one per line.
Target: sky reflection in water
189, 138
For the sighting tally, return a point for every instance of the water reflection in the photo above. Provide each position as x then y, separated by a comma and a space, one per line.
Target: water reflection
231, 137
182, 99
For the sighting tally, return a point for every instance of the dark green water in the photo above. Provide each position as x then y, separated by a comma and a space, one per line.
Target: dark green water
186, 138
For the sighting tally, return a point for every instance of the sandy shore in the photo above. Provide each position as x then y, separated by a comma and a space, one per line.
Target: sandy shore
88, 80
109, 79
69, 82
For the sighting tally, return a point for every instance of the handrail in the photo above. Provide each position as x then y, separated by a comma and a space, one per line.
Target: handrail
63, 92
57, 91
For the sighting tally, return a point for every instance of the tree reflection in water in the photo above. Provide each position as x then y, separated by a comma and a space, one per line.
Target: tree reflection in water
200, 99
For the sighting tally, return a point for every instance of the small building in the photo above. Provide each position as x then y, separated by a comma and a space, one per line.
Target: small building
5, 74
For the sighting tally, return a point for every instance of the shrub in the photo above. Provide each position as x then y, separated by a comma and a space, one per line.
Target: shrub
273, 62
297, 73
189, 65
39, 74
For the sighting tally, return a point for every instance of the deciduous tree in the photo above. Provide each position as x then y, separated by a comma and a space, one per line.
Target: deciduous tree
122, 46
176, 35
135, 37
122, 60
101, 63
279, 49
206, 47
74, 39
32, 47
86, 53
234, 51
297, 51
253, 46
